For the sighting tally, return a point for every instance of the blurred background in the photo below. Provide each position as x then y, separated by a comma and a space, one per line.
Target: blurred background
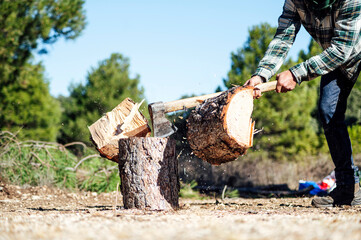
66, 63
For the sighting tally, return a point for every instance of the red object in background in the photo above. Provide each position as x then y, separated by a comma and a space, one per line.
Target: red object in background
324, 186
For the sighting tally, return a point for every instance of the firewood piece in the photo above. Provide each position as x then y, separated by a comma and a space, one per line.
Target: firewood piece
149, 173
221, 129
123, 121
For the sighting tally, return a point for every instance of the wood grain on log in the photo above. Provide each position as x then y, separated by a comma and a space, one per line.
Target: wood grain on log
123, 121
149, 173
221, 129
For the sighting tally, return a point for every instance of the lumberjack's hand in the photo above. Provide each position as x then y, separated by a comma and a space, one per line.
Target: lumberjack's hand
285, 82
254, 81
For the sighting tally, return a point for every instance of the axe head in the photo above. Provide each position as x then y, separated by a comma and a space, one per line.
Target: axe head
162, 127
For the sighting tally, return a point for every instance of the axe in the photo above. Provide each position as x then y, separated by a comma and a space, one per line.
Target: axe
162, 127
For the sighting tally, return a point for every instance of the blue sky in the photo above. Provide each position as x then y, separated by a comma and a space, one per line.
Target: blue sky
177, 47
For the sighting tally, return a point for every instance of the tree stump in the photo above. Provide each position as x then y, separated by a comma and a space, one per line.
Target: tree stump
149, 173
220, 129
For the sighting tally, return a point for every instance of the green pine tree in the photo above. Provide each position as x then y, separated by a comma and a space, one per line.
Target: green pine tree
27, 108
290, 129
245, 60
28, 26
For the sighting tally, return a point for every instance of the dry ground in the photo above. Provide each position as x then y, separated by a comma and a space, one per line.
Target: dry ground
45, 213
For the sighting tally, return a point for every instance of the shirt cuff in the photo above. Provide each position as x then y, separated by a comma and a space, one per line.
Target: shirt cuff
300, 72
263, 72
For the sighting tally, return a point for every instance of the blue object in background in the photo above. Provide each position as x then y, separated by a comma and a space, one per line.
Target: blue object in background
316, 189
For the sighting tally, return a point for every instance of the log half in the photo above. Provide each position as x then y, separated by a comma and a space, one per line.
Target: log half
148, 170
124, 121
221, 129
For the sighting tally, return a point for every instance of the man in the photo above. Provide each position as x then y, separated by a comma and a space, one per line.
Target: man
335, 25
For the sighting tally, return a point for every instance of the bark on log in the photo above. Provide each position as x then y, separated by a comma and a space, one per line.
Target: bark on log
123, 121
221, 129
149, 173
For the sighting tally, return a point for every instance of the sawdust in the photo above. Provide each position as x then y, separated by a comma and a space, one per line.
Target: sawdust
49, 213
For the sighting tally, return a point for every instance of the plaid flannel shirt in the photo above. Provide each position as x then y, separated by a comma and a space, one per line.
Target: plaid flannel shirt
338, 33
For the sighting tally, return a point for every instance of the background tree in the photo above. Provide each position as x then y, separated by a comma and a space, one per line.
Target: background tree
245, 60
27, 106
289, 125
105, 87
25, 102
26, 24
353, 113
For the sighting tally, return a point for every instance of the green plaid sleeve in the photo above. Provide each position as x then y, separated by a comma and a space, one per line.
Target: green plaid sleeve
344, 43
288, 26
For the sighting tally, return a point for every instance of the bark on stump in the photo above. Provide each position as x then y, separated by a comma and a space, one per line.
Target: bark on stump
149, 173
221, 129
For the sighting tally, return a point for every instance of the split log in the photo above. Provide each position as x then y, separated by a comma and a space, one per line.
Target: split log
123, 121
149, 173
221, 129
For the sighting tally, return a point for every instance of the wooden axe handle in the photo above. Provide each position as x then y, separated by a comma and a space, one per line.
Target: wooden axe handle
268, 86
194, 101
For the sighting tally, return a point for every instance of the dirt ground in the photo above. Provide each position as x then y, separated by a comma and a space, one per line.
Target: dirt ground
47, 213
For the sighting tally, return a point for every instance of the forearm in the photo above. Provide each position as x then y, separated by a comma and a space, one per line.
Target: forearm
273, 59
327, 61
319, 65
